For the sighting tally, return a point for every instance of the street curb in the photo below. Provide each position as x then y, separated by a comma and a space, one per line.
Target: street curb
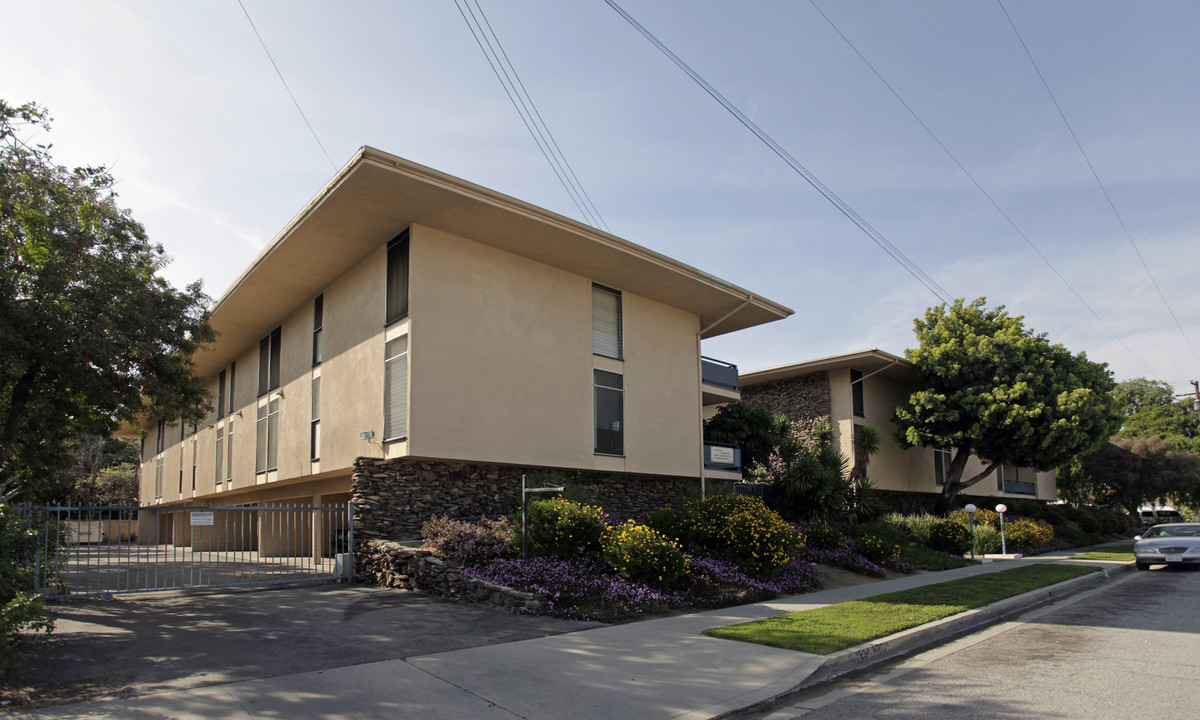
918, 638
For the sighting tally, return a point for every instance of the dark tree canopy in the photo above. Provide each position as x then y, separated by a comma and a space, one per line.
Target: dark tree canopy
995, 389
756, 430
1153, 458
90, 334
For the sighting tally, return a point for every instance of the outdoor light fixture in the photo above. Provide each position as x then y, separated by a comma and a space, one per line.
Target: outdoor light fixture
1002, 508
366, 435
970, 508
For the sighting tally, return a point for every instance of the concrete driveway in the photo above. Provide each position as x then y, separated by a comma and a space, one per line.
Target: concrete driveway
141, 644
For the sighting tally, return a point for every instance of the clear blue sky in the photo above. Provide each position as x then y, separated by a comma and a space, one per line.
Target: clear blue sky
213, 157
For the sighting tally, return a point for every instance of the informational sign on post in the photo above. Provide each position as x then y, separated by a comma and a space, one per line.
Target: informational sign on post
721, 455
201, 518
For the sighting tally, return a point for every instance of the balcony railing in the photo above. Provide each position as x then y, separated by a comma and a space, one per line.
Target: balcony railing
1021, 488
718, 374
722, 456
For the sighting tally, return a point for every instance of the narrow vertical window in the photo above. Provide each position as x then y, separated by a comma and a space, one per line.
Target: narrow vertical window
232, 374
193, 464
606, 322
268, 362
273, 435
1000, 477
221, 395
276, 351
318, 324
160, 441
220, 459
941, 465
267, 455
856, 393
395, 400
260, 444
609, 413
158, 477
397, 278
315, 435
229, 450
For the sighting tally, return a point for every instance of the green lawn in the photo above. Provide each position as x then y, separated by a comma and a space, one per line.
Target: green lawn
836, 627
1117, 553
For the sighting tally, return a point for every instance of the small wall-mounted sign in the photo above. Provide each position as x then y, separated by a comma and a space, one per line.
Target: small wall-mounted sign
201, 518
721, 455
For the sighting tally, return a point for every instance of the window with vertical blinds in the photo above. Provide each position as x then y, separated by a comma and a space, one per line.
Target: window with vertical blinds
220, 459
395, 401
318, 326
609, 391
266, 456
606, 322
315, 435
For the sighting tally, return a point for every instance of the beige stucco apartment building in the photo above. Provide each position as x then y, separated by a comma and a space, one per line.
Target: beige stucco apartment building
412, 319
865, 388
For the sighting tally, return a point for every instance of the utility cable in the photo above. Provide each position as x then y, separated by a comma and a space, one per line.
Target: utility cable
980, 187
493, 51
878, 238
1096, 176
285, 86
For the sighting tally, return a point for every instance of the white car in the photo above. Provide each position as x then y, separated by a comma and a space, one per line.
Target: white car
1173, 544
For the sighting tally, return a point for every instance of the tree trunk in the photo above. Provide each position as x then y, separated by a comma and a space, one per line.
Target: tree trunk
955, 484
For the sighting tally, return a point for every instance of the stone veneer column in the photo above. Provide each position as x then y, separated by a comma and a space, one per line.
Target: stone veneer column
803, 399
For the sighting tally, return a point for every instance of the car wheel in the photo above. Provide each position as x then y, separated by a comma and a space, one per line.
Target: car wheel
1142, 565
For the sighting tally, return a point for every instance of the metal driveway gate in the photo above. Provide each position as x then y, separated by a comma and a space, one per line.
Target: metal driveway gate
102, 551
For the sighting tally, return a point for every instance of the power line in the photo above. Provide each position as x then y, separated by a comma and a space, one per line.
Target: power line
884, 244
979, 187
1096, 176
493, 51
285, 85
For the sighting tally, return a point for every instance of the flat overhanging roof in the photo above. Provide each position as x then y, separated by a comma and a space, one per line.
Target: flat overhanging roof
868, 361
376, 195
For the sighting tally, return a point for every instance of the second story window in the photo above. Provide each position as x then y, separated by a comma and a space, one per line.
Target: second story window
397, 278
318, 323
268, 362
606, 322
232, 374
856, 393
160, 441
221, 395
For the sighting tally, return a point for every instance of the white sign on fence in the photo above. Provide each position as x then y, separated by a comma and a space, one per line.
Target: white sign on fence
202, 518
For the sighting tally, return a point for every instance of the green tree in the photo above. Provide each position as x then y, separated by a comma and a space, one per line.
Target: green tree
994, 389
1131, 471
90, 334
1151, 410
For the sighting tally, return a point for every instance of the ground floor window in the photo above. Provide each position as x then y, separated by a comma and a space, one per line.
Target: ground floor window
941, 465
609, 389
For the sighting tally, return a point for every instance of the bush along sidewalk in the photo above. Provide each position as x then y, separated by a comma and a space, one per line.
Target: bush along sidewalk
721, 551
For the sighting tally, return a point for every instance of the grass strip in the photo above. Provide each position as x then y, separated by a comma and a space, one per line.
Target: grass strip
835, 627
1118, 553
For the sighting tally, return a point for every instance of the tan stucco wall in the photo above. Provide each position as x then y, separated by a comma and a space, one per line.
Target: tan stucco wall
500, 371
500, 358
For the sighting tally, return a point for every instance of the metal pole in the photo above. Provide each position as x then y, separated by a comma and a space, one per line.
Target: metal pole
524, 529
350, 540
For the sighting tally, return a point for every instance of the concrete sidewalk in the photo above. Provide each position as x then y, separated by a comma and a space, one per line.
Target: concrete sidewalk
653, 669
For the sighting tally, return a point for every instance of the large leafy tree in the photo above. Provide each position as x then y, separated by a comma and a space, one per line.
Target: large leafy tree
995, 389
1152, 458
90, 334
1130, 471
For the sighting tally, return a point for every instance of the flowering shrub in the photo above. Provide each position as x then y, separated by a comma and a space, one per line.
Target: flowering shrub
983, 516
643, 555
949, 537
564, 529
470, 543
798, 576
677, 524
876, 549
1025, 534
759, 540
820, 536
582, 588
846, 558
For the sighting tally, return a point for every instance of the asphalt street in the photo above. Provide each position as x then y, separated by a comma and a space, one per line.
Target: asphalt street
1126, 650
